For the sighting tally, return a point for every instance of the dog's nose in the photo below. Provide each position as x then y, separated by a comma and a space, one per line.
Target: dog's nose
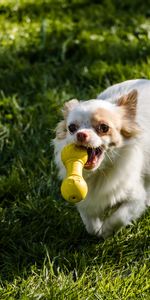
82, 136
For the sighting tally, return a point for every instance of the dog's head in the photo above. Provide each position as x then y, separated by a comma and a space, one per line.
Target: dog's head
99, 125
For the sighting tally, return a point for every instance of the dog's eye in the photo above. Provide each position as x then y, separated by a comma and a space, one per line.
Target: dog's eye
103, 128
72, 128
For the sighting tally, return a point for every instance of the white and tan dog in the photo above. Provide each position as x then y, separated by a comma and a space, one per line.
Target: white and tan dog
115, 129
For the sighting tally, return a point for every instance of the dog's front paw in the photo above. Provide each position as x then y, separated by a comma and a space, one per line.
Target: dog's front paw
93, 227
107, 230
110, 226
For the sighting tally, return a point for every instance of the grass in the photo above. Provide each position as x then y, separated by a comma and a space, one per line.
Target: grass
51, 51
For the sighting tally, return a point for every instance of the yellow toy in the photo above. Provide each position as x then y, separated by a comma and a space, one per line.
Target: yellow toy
74, 187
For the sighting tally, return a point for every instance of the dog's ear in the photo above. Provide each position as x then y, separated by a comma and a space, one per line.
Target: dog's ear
61, 130
68, 106
128, 104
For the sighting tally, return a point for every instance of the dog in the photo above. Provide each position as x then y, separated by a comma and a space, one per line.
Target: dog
115, 129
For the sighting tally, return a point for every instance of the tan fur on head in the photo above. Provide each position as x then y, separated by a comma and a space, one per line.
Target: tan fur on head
68, 106
106, 116
113, 120
128, 104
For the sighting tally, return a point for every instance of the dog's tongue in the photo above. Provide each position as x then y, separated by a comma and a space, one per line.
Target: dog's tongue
91, 154
91, 157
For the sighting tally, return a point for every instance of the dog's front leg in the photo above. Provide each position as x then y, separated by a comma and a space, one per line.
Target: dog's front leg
92, 223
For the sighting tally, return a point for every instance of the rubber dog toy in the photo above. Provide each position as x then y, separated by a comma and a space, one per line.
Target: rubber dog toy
74, 188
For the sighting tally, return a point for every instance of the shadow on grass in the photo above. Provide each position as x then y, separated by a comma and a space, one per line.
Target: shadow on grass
47, 227
60, 56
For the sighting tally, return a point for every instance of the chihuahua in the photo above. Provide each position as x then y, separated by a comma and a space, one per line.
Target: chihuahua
115, 129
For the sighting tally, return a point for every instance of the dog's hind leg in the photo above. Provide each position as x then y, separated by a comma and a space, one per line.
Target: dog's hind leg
128, 211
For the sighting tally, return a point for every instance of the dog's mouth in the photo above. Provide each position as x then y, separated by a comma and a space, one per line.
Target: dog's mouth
95, 155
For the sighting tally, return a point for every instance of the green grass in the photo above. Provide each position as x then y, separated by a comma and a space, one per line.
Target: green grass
51, 51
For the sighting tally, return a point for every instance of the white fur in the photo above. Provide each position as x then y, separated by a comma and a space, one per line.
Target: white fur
122, 179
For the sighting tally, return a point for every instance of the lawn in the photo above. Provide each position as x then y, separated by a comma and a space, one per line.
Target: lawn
51, 51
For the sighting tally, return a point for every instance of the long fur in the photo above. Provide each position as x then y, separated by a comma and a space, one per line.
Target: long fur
118, 185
